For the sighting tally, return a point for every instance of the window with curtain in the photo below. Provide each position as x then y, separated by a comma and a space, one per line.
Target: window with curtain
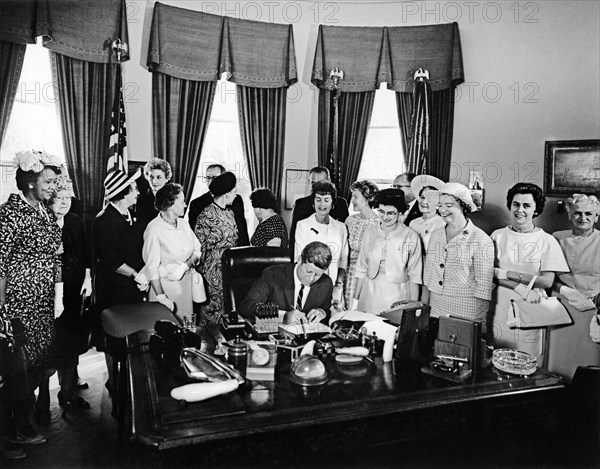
223, 145
34, 121
382, 158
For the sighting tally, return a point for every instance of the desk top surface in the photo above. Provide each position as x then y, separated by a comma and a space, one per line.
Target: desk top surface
352, 392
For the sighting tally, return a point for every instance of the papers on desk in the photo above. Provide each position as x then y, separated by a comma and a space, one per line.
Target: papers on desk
354, 316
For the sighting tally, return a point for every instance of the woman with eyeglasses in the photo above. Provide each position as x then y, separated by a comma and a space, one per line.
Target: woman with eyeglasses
71, 333
389, 266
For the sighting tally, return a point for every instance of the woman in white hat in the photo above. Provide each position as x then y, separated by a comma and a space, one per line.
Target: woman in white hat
459, 266
426, 188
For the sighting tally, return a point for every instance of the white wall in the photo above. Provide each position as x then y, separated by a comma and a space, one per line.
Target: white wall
532, 72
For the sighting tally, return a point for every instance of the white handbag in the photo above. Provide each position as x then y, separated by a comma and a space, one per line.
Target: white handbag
198, 290
525, 315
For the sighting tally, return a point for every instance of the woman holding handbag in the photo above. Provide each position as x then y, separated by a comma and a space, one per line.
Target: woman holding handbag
523, 251
71, 335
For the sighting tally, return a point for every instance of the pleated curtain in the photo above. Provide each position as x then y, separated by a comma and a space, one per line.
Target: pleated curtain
370, 56
80, 36
188, 52
262, 127
86, 93
355, 111
180, 117
11, 63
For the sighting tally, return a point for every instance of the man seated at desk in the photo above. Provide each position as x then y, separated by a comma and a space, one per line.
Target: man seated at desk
302, 289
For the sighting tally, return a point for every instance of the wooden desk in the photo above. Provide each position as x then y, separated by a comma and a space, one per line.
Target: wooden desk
366, 400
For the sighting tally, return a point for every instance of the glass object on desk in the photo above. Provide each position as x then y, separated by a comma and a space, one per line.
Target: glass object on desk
514, 361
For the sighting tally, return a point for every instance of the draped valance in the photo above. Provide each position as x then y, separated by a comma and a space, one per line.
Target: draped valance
80, 29
198, 46
370, 56
17, 21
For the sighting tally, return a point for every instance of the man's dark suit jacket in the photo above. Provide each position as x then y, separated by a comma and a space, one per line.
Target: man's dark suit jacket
303, 208
237, 207
413, 213
276, 285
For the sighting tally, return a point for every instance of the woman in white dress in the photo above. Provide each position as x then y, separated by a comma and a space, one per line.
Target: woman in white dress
522, 251
321, 227
389, 267
426, 188
364, 198
170, 250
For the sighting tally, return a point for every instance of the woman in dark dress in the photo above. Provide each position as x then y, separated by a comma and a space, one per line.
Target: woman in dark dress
71, 334
157, 172
271, 230
216, 230
30, 241
118, 244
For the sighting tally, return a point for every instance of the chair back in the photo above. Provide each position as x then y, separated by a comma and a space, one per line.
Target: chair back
121, 320
242, 266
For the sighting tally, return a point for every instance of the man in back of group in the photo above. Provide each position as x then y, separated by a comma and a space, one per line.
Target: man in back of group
237, 207
303, 208
402, 182
303, 290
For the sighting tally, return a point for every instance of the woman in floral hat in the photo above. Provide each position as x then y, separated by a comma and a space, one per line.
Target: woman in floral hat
29, 254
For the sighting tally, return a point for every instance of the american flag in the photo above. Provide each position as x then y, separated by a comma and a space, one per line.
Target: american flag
118, 134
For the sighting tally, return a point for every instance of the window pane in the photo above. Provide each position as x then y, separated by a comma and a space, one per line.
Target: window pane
34, 121
382, 158
223, 145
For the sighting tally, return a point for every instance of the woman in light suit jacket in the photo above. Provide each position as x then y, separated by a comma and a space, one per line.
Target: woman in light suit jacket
389, 267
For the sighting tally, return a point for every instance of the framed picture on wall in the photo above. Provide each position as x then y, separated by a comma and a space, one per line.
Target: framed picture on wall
295, 185
572, 166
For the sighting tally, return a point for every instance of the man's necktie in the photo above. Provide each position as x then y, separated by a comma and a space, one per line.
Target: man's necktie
299, 299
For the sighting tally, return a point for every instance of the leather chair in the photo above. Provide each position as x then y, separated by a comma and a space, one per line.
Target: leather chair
118, 322
241, 267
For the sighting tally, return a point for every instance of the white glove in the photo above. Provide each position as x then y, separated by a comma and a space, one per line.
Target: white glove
595, 328
338, 292
354, 304
58, 299
577, 299
275, 242
142, 281
500, 274
531, 297
177, 272
86, 287
163, 300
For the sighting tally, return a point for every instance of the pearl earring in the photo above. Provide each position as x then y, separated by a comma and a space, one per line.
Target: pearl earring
31, 186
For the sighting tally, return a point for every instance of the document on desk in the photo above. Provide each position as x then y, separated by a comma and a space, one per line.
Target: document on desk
354, 316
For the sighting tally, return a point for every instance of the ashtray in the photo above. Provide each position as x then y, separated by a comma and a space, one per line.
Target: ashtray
514, 361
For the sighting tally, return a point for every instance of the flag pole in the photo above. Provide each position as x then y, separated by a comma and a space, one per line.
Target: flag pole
119, 48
